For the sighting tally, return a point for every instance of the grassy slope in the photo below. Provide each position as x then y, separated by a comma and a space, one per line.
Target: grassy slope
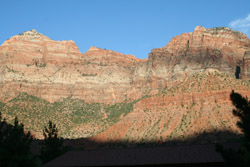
73, 117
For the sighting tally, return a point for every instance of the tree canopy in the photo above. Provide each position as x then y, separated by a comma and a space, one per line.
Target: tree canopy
52, 145
239, 157
15, 145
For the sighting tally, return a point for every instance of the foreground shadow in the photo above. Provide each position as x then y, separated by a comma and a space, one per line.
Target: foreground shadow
90, 143
197, 150
193, 151
204, 138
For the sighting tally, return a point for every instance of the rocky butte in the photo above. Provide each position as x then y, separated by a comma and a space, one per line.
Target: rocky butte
180, 91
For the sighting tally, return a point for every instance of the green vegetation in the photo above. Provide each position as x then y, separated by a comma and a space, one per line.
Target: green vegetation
69, 114
103, 64
43, 65
216, 29
52, 146
206, 81
1, 105
11, 70
115, 111
15, 146
89, 75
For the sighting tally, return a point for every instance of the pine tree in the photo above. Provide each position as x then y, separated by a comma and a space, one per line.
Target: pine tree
52, 145
15, 145
239, 157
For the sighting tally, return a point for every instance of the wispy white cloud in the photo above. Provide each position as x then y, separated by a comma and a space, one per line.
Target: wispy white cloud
242, 25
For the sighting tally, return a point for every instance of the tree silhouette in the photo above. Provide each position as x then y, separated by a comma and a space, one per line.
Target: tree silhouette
15, 145
52, 145
240, 157
242, 111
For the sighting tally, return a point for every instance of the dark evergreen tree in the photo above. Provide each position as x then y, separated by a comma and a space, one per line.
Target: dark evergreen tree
52, 146
239, 157
15, 146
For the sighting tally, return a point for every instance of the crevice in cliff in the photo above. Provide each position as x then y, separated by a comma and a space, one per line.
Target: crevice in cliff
237, 72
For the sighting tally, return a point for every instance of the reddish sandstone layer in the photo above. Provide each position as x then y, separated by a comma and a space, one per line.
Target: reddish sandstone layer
33, 63
199, 104
217, 48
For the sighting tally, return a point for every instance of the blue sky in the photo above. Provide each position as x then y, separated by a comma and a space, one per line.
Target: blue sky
127, 26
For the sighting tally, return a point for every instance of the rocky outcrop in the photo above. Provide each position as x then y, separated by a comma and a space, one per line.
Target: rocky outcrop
216, 48
33, 63
245, 74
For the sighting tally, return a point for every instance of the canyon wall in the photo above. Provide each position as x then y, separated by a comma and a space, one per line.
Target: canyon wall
33, 63
182, 89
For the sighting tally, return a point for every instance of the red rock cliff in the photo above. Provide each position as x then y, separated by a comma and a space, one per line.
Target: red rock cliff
33, 63
216, 48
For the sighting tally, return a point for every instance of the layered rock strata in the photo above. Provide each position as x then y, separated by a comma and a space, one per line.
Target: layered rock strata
33, 63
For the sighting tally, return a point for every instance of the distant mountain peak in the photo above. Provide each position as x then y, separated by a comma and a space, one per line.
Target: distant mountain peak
92, 48
32, 32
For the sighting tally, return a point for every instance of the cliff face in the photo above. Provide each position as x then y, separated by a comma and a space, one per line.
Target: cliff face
217, 48
182, 89
33, 63
245, 74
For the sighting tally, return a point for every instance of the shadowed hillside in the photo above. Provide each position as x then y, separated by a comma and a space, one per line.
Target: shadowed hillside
203, 138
